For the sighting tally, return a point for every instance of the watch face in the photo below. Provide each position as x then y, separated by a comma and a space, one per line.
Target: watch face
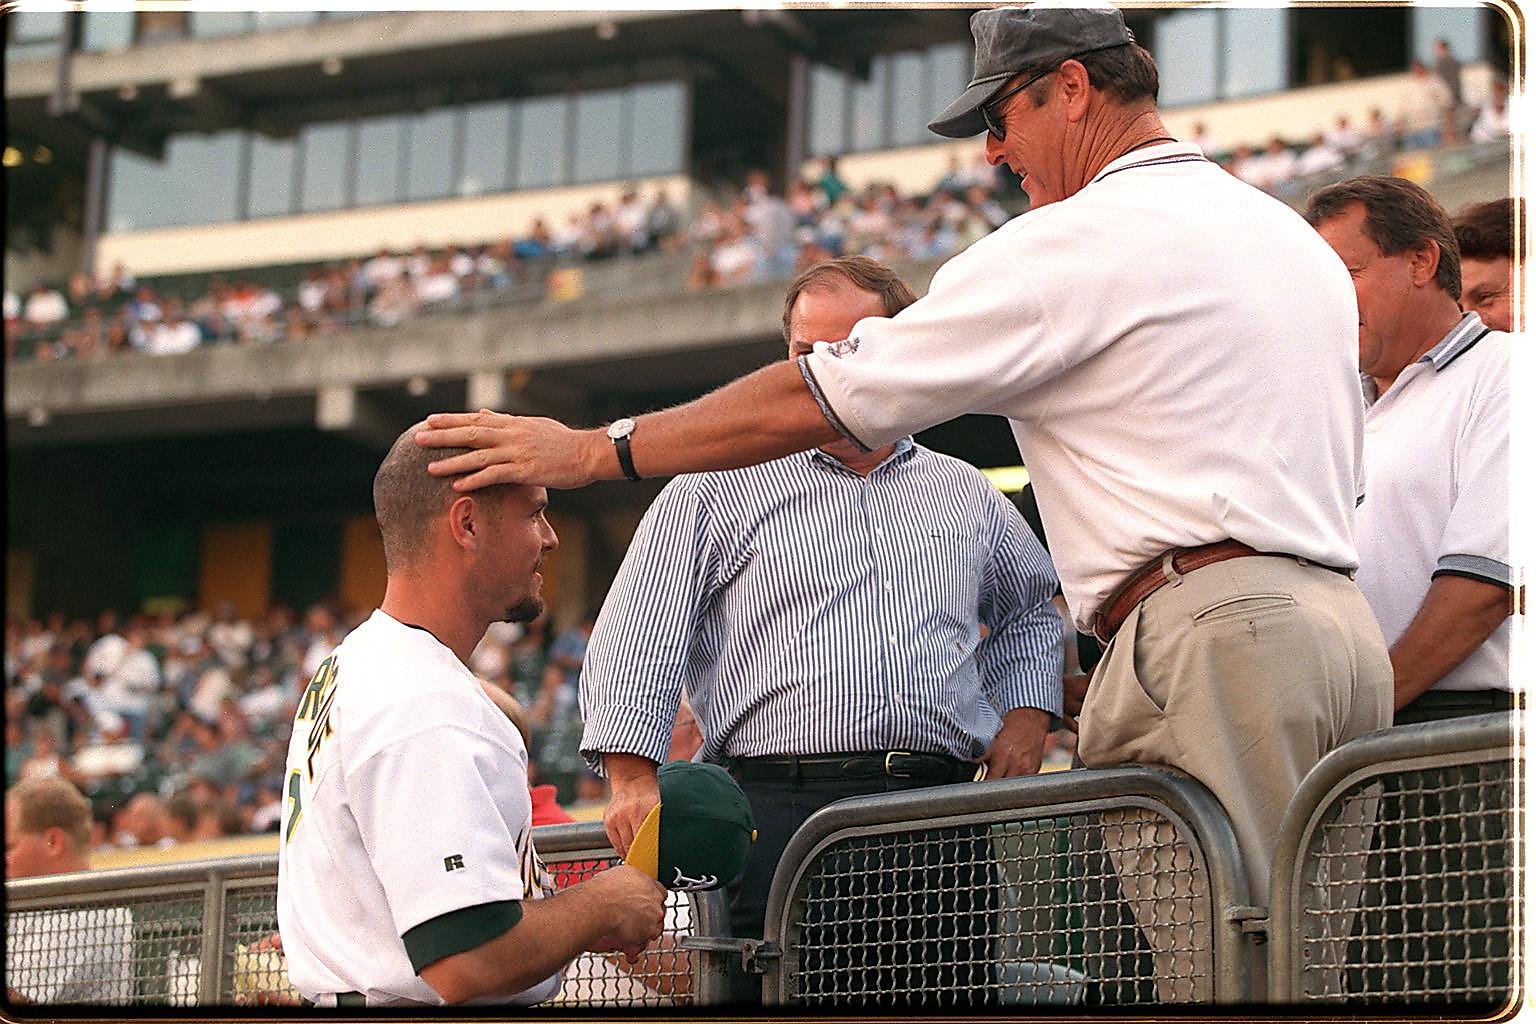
621, 428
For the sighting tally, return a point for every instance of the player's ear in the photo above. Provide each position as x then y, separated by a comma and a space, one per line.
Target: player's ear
464, 521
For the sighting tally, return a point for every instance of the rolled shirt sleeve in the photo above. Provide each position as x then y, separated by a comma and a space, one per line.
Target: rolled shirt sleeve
1021, 659
636, 664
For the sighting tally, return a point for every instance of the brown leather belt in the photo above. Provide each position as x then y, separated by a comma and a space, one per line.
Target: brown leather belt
1166, 568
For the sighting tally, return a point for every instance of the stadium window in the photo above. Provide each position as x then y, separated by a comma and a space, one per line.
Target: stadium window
430, 153
599, 135
909, 100
1255, 51
106, 30
949, 72
272, 166
1187, 47
213, 24
380, 152
541, 148
1461, 27
196, 183
132, 191
487, 148
867, 105
33, 34
265, 21
325, 156
828, 111
658, 115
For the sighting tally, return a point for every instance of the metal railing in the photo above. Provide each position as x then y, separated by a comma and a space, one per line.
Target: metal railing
1395, 881
1116, 887
1394, 884
201, 933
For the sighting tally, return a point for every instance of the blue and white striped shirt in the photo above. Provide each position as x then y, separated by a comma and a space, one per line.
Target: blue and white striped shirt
809, 610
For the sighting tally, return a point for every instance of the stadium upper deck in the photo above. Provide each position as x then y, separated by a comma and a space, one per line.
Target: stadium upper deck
184, 142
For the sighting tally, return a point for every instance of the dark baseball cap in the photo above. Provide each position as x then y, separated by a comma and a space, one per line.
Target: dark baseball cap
699, 835
1024, 40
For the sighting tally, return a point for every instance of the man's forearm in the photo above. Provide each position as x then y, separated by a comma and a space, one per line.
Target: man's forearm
764, 415
1457, 616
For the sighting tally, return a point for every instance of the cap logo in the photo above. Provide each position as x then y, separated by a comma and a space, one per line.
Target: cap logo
686, 884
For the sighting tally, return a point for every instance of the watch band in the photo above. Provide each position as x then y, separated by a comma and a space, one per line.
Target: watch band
626, 461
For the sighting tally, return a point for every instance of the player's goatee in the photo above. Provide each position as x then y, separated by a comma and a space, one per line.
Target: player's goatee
525, 610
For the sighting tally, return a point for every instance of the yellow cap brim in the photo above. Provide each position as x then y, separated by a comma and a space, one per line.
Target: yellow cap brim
645, 850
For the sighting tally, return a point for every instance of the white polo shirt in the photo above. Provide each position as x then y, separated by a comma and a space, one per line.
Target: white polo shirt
1437, 488
1177, 353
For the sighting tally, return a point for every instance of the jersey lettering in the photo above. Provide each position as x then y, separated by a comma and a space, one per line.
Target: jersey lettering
295, 804
309, 703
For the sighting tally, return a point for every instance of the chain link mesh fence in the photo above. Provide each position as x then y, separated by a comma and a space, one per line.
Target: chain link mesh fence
1410, 897
1104, 908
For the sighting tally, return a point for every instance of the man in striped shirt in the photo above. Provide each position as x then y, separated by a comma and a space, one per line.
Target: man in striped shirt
844, 622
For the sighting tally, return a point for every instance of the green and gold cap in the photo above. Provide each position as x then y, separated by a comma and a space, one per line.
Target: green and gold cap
699, 835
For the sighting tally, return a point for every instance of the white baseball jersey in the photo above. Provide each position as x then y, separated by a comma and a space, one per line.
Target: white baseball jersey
407, 800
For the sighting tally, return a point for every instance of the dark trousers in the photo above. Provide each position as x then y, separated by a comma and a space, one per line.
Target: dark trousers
892, 922
1435, 913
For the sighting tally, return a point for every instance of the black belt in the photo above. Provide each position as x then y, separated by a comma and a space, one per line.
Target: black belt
896, 764
1438, 705
345, 999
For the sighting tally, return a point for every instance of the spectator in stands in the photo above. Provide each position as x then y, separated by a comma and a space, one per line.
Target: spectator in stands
141, 822
1448, 70
385, 268
831, 182
174, 334
1342, 138
1433, 528
1380, 139
1423, 108
1318, 158
1485, 234
47, 828
1492, 123
60, 956
45, 308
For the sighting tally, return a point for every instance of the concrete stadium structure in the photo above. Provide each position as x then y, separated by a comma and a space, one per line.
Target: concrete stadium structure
192, 143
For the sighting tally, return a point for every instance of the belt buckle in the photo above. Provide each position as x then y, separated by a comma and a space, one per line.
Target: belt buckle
892, 772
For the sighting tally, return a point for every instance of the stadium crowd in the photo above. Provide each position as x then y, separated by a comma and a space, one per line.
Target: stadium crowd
758, 234
176, 726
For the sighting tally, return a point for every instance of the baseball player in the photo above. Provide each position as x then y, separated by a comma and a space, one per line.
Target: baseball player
407, 872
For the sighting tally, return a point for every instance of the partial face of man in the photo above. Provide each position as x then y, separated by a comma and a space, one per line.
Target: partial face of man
1033, 148
827, 311
26, 853
1383, 287
1486, 289
519, 540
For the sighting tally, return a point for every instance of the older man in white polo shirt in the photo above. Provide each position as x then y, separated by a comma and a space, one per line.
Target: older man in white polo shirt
1192, 428
1433, 529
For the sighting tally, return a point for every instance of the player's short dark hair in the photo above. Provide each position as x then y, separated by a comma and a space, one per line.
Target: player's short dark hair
1128, 73
406, 497
53, 802
1399, 216
1487, 231
864, 273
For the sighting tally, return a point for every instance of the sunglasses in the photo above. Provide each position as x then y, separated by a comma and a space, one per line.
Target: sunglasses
989, 110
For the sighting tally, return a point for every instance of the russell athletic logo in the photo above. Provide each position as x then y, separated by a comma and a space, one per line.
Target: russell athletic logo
453, 862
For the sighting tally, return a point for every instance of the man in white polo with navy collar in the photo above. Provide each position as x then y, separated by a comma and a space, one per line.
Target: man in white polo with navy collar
1433, 528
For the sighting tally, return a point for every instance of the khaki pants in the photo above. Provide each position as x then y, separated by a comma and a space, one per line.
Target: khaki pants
1242, 674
